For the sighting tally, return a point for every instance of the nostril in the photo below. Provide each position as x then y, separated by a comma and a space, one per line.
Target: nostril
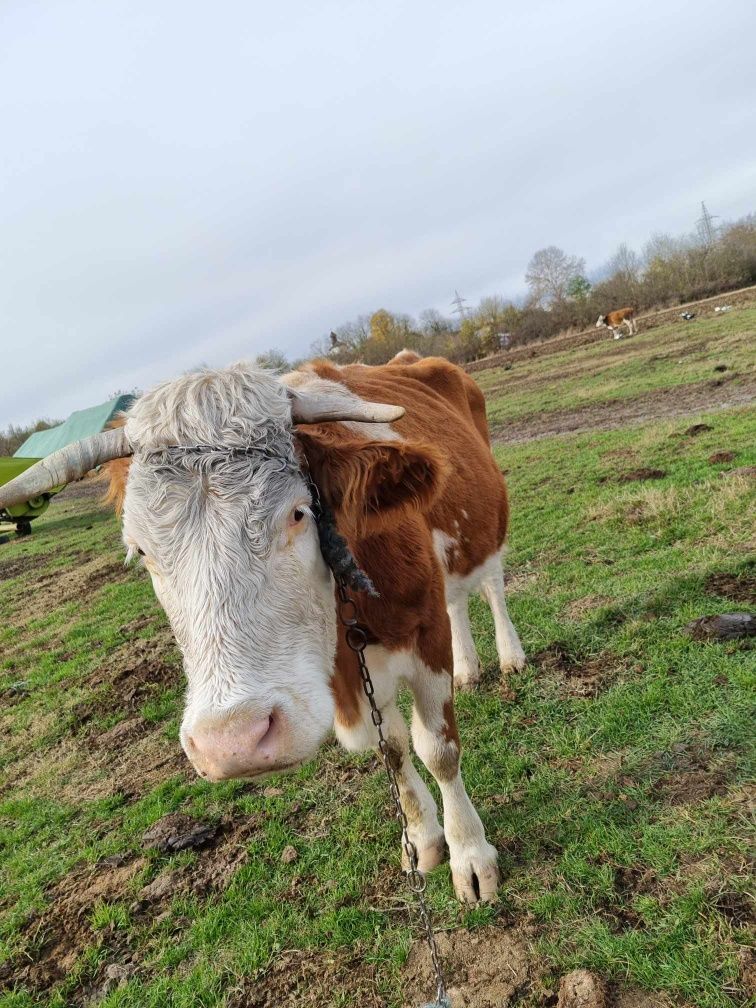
267, 743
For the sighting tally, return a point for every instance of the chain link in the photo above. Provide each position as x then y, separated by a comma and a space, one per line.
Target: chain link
356, 637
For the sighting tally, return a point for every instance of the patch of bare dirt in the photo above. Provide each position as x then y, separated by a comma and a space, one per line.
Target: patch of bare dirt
735, 587
14, 567
681, 400
735, 906
639, 475
129, 676
696, 429
496, 967
717, 458
221, 851
311, 978
576, 677
89, 488
691, 774
747, 972
62, 932
78, 579
487, 968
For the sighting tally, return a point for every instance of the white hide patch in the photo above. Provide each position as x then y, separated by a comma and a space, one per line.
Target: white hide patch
444, 546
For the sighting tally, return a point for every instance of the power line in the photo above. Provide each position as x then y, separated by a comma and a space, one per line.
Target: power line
460, 305
707, 229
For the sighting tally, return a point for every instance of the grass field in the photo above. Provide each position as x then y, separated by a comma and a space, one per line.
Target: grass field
612, 774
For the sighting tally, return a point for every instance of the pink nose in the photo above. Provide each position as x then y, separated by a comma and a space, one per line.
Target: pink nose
239, 745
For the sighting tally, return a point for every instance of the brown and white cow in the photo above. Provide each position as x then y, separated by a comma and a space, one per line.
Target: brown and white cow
208, 475
614, 319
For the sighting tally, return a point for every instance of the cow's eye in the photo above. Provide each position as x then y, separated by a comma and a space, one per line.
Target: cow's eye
297, 516
140, 551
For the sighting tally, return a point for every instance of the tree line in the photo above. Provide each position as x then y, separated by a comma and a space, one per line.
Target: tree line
561, 297
14, 435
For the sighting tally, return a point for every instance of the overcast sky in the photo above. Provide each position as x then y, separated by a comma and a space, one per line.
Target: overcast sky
191, 182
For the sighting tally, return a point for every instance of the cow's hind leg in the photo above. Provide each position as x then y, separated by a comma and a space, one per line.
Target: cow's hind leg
472, 858
511, 655
466, 662
422, 813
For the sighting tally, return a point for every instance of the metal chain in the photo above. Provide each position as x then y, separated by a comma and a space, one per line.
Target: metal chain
356, 638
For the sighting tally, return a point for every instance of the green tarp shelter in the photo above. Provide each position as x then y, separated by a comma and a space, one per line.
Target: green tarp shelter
79, 425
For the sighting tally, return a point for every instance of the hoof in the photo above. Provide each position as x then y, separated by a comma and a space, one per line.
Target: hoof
429, 856
476, 875
466, 685
515, 662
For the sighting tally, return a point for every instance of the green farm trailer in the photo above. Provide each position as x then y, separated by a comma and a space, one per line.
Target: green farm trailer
22, 515
42, 443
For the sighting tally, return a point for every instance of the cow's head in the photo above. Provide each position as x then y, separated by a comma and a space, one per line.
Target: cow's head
601, 321
217, 508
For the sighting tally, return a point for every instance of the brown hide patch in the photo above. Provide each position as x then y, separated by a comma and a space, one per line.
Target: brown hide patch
369, 483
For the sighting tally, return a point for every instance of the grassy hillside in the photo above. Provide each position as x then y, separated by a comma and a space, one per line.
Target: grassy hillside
612, 774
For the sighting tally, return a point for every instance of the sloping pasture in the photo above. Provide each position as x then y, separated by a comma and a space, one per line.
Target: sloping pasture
612, 774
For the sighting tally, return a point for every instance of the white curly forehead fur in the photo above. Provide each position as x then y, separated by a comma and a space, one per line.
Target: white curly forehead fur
234, 407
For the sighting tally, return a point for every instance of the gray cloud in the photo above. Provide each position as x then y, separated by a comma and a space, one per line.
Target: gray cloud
186, 183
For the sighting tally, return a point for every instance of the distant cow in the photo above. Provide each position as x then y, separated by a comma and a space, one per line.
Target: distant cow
614, 319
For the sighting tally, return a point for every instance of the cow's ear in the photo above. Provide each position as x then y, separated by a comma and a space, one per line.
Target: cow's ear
116, 474
370, 483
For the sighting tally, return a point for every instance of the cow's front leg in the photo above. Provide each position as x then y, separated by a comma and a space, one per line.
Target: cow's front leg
360, 734
474, 862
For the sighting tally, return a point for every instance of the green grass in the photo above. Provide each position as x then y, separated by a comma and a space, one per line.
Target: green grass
605, 855
671, 355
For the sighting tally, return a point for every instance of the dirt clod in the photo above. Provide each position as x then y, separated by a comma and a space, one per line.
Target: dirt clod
728, 626
736, 587
484, 969
289, 854
637, 475
744, 472
176, 832
581, 989
721, 456
698, 428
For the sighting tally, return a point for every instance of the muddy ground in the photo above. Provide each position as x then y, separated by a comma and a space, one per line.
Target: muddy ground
684, 400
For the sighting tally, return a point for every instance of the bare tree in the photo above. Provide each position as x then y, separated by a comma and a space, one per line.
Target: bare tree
273, 360
626, 264
550, 273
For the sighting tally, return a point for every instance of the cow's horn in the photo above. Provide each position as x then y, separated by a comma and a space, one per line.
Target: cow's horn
65, 465
309, 408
